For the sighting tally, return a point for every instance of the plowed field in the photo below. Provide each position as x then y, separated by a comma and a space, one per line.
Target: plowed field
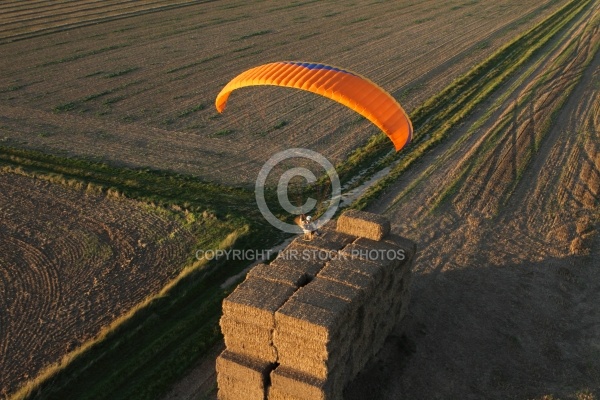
70, 264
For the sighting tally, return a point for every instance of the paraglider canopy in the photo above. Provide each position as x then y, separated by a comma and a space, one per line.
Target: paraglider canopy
343, 86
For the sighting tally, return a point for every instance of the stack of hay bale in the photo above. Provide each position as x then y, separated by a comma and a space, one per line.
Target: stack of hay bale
303, 326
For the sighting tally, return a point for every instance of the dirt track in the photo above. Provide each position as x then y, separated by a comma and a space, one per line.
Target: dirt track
70, 264
505, 301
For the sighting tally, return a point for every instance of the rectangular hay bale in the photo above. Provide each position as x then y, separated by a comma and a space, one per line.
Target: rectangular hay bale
329, 240
299, 345
307, 320
363, 224
255, 300
352, 273
338, 289
259, 351
243, 368
381, 253
231, 388
301, 257
278, 394
336, 305
232, 327
300, 385
280, 273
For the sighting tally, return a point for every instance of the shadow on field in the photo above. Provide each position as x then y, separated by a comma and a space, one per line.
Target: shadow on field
523, 331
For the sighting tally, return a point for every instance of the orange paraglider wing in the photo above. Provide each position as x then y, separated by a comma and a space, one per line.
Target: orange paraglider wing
345, 87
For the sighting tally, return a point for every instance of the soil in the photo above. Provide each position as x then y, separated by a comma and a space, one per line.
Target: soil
72, 263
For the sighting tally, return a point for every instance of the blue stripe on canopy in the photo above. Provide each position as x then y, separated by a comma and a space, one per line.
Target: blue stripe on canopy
317, 66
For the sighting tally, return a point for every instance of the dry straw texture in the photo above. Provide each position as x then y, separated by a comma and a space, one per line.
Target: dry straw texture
242, 368
280, 273
383, 254
303, 258
348, 272
277, 394
337, 289
259, 351
299, 345
330, 240
336, 305
233, 389
363, 224
233, 327
255, 301
305, 387
307, 320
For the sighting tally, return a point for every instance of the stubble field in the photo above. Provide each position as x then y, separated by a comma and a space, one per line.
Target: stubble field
140, 91
506, 216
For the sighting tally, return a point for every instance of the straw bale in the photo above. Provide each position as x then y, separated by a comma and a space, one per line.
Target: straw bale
227, 393
306, 387
243, 368
374, 256
260, 351
340, 290
327, 301
233, 327
299, 345
278, 394
363, 224
353, 273
313, 367
367, 269
390, 242
306, 319
303, 258
255, 300
232, 388
409, 246
364, 322
382, 253
330, 225
319, 364
330, 240
280, 273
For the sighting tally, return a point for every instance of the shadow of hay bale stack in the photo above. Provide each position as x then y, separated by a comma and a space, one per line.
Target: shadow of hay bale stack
305, 325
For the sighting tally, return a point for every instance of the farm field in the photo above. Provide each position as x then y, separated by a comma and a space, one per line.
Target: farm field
139, 91
505, 212
499, 188
506, 215
72, 263
24, 20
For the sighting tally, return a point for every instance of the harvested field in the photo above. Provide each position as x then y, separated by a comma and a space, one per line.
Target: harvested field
125, 90
72, 263
506, 215
22, 20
